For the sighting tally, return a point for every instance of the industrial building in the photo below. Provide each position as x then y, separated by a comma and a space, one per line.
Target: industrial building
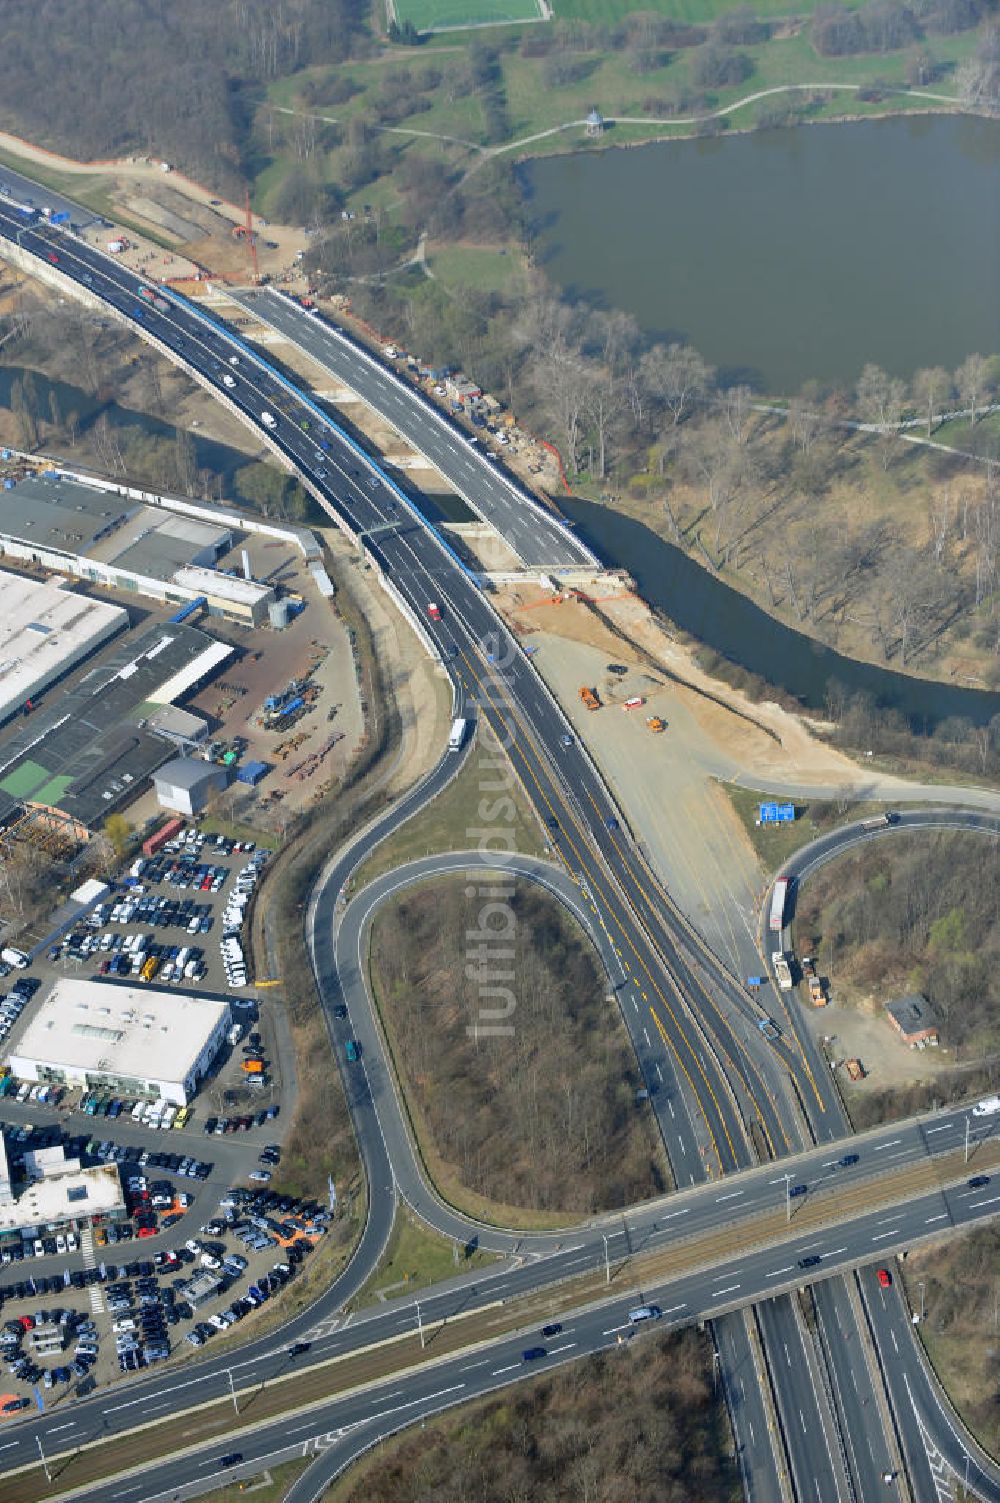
126, 1039
186, 784
105, 537
100, 739
59, 1195
45, 630
229, 595
114, 536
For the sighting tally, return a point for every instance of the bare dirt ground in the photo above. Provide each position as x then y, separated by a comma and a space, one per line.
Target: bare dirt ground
195, 222
852, 1033
666, 782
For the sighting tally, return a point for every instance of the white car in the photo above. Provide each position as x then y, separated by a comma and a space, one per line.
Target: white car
60, 1243
71, 1243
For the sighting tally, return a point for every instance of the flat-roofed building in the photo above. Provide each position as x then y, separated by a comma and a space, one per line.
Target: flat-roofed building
60, 1196
130, 1040
45, 630
228, 595
186, 784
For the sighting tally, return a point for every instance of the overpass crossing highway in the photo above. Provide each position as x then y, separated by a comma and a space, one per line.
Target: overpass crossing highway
490, 675
474, 1330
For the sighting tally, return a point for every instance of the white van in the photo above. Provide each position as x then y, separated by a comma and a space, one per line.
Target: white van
15, 957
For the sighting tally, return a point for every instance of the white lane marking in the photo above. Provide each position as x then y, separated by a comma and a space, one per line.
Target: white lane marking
731, 1196
9, 1444
975, 1204
671, 1214
943, 1128
775, 1271
880, 1236
498, 1370
894, 1343
566, 1347
943, 1217
880, 1147
58, 1428
886, 1219
716, 1293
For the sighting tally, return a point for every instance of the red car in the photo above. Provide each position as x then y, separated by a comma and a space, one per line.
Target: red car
26, 1322
147, 1231
53, 258
434, 611
884, 1277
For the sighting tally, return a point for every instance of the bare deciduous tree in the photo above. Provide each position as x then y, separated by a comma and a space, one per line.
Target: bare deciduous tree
931, 389
676, 376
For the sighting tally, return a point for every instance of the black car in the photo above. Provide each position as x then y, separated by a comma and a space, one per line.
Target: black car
979, 1181
552, 1330
297, 1348
810, 1261
231, 1458
532, 1353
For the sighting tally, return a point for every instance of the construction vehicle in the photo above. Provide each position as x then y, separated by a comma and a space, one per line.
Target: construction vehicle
656, 724
590, 698
817, 996
855, 1069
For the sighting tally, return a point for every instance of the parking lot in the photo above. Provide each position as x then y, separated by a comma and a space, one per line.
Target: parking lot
219, 1249
197, 889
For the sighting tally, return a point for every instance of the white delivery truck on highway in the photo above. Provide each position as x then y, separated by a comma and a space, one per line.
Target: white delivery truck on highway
269, 420
456, 736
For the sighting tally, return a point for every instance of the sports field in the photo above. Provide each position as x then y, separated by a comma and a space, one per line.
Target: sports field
439, 15
689, 11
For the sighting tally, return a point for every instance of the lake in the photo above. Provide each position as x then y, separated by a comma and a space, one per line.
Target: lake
785, 255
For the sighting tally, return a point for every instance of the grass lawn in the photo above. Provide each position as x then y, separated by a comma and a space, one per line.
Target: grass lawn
774, 844
692, 11
271, 1486
483, 269
416, 1258
449, 822
429, 15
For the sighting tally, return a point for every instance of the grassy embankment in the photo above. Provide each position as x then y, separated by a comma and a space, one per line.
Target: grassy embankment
452, 821
522, 1100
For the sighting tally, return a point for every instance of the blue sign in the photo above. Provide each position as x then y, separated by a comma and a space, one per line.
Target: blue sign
777, 814
61, 218
39, 1400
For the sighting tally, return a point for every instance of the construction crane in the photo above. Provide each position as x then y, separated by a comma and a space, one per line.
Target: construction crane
245, 232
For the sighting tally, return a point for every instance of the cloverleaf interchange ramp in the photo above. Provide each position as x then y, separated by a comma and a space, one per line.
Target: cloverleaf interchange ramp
487, 668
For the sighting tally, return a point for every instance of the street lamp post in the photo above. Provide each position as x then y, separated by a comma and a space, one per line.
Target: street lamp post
232, 1389
420, 1326
607, 1260
922, 1287
788, 1197
45, 1465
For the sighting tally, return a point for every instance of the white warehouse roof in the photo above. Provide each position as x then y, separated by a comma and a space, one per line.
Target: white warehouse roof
44, 630
219, 586
126, 1030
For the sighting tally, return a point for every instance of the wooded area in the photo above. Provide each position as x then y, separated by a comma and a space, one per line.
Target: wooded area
638, 1423
914, 912
177, 80
961, 1325
543, 1116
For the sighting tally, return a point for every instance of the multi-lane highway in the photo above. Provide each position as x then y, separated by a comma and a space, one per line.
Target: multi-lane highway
540, 538
706, 1071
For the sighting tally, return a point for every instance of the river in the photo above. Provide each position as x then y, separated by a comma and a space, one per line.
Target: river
786, 255
722, 618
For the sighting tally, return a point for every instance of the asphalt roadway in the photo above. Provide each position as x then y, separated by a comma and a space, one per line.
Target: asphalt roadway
485, 663
540, 538
339, 1428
